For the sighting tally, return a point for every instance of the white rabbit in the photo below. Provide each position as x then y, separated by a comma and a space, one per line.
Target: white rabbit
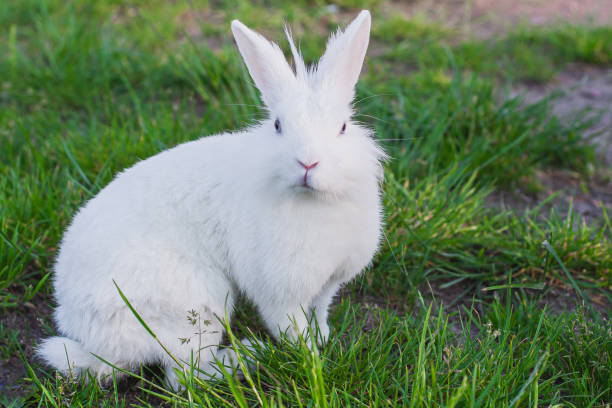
285, 212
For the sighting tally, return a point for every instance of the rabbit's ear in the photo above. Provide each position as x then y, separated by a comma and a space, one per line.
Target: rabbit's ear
341, 64
265, 62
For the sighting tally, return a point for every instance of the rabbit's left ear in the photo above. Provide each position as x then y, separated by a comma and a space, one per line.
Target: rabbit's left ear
265, 62
341, 64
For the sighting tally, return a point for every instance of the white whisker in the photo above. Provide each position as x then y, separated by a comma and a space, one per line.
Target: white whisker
370, 97
396, 140
372, 117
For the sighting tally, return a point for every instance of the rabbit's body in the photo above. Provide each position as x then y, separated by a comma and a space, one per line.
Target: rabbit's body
192, 226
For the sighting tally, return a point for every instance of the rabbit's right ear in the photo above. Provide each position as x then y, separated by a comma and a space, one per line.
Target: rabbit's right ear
341, 64
265, 61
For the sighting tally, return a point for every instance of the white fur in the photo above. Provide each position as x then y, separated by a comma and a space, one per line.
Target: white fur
191, 227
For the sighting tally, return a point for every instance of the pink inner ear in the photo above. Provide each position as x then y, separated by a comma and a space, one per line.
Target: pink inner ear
349, 66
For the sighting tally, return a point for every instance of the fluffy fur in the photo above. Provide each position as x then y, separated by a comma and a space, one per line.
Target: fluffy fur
191, 227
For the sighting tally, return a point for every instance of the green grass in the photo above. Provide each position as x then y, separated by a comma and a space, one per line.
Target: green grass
89, 88
510, 356
526, 53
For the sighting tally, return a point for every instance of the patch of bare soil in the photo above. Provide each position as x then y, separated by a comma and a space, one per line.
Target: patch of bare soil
577, 89
457, 303
30, 320
192, 23
568, 189
459, 300
484, 18
556, 299
581, 87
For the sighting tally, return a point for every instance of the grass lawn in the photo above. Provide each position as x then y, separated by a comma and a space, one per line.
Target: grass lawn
471, 301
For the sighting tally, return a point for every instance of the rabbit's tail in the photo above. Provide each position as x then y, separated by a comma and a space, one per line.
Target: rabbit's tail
67, 356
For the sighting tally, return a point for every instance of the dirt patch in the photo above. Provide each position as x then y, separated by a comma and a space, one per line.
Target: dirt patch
536, 12
580, 88
30, 321
588, 199
563, 190
484, 18
469, 297
556, 299
193, 22
458, 304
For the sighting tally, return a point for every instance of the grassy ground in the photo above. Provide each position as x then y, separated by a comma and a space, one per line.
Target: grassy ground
462, 305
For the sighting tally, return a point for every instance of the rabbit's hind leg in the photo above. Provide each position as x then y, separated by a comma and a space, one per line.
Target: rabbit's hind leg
192, 348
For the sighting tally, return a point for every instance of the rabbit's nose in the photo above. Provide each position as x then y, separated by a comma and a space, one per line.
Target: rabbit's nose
308, 166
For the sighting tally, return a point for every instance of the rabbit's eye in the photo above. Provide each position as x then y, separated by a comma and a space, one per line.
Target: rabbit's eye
343, 128
277, 126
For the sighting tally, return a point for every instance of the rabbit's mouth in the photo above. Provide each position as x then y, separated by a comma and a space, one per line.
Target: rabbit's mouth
306, 184
315, 194
307, 189
304, 187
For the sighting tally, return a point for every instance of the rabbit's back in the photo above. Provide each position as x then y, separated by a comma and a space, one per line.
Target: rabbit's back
155, 230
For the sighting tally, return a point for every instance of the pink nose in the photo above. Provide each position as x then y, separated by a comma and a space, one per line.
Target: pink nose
308, 166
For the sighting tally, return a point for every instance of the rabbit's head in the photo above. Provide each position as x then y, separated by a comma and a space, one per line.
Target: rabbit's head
316, 148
